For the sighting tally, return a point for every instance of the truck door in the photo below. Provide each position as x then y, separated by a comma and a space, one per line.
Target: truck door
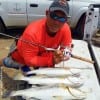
17, 12
36, 8
70, 11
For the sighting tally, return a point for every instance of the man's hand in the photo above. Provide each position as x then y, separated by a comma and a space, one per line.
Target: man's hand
62, 55
58, 56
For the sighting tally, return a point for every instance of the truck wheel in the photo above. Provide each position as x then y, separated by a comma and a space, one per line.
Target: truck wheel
79, 30
2, 28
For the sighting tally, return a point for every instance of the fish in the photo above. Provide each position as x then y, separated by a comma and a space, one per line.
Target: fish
56, 72
43, 80
50, 93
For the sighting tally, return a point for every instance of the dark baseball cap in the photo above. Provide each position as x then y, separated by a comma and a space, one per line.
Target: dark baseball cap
60, 6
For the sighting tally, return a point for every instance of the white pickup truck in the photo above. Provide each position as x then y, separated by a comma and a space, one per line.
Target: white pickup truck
18, 13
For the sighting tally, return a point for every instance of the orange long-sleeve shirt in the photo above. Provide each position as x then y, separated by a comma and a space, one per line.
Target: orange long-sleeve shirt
32, 55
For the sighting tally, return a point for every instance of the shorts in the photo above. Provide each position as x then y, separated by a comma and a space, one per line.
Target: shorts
10, 63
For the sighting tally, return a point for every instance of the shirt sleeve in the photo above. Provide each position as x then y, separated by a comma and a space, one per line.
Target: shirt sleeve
32, 54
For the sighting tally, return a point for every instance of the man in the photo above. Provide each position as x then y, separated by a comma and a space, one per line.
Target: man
52, 32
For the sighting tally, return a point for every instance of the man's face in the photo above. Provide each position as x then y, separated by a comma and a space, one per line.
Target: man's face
55, 20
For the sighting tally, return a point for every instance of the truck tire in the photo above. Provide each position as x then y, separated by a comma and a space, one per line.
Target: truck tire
79, 30
2, 28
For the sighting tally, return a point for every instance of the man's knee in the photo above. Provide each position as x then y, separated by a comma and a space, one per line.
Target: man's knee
10, 63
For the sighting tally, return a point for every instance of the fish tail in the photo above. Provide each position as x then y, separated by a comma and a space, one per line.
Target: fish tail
19, 76
12, 94
15, 93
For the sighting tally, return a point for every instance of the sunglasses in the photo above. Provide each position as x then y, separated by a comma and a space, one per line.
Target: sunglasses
54, 16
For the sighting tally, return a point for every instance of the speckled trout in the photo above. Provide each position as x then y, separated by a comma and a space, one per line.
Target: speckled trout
44, 80
53, 93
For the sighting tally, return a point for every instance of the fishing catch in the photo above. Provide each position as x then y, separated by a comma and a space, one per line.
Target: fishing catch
50, 93
44, 80
56, 72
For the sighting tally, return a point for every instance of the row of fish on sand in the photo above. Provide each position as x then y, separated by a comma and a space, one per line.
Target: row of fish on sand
52, 84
